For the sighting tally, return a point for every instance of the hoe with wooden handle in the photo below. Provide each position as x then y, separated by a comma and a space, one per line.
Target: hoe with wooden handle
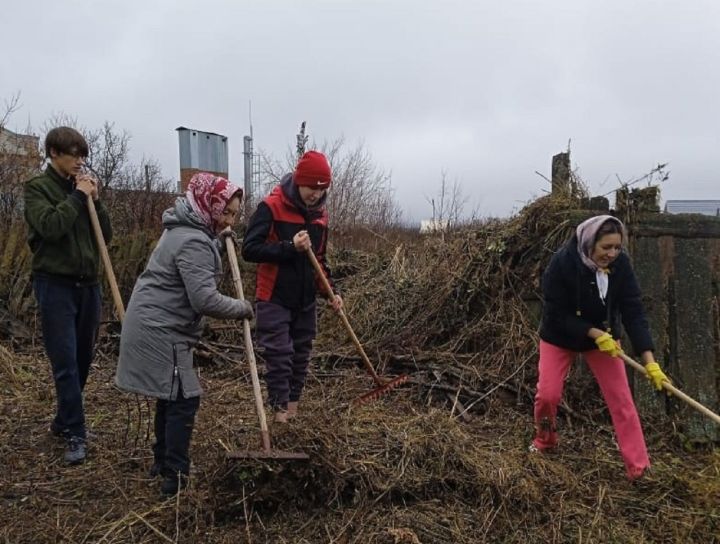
102, 248
267, 452
105, 256
670, 388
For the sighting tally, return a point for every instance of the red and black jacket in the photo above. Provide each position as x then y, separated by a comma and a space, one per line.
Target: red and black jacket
286, 276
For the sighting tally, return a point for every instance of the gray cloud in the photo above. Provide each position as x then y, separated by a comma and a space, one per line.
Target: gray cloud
487, 91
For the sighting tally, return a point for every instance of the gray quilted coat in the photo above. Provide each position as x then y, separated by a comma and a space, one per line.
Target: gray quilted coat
163, 319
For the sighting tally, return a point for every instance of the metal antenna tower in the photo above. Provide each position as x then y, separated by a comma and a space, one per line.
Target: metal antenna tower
251, 169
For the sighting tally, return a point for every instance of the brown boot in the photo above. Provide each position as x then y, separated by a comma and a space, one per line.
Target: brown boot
281, 416
292, 410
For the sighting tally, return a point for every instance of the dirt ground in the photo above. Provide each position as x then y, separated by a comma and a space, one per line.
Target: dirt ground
400, 470
459, 316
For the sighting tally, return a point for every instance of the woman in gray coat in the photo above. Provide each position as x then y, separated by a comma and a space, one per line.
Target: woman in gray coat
163, 320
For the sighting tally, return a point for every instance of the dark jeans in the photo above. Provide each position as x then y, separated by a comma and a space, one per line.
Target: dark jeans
70, 316
286, 337
174, 421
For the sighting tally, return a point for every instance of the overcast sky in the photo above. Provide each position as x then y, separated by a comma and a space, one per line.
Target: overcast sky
487, 91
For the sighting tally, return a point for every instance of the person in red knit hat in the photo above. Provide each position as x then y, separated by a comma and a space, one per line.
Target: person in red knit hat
288, 222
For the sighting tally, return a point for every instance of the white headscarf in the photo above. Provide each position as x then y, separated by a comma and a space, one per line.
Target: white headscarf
586, 234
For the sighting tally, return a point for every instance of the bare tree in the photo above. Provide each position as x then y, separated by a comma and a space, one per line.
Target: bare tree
361, 194
138, 197
109, 154
12, 104
272, 169
448, 204
19, 160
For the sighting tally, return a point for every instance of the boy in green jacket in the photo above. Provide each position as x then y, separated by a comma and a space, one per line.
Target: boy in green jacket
65, 275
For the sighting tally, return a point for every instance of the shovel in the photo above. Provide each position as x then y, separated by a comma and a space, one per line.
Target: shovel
267, 452
670, 388
383, 386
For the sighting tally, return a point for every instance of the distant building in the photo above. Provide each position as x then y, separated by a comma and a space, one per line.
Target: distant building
22, 150
434, 225
201, 152
20, 160
704, 207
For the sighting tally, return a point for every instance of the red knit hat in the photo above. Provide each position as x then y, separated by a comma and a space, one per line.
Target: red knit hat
313, 170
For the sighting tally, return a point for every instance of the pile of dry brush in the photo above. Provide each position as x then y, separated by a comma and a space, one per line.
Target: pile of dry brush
441, 460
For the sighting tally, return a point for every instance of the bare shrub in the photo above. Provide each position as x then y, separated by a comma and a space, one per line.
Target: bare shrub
19, 160
361, 195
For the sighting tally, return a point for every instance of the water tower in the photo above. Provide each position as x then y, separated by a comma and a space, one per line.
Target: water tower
201, 152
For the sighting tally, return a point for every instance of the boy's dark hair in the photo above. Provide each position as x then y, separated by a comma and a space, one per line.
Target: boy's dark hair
66, 140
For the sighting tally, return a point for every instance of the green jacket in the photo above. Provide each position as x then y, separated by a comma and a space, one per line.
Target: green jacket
60, 234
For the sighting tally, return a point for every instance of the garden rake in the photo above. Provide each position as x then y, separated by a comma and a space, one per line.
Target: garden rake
267, 452
383, 386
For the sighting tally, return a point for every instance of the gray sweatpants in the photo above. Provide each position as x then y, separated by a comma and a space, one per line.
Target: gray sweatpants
286, 337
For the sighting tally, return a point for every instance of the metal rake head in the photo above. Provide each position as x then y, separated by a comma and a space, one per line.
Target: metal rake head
382, 390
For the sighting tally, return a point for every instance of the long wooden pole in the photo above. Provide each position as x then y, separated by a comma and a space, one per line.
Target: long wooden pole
674, 391
249, 351
105, 256
346, 322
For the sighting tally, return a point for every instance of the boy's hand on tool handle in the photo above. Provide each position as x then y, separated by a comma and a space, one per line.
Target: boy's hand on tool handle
301, 241
336, 302
87, 184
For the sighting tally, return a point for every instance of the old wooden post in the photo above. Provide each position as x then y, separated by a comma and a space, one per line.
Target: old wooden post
560, 178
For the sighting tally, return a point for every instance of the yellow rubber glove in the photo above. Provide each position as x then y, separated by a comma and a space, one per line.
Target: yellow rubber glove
655, 375
607, 344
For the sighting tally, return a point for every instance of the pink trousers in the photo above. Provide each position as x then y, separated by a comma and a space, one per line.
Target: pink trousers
611, 377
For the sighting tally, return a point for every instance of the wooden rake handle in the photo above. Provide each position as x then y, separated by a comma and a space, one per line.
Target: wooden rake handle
328, 289
674, 391
249, 351
105, 256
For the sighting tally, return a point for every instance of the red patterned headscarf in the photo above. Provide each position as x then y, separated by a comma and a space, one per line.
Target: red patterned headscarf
208, 195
